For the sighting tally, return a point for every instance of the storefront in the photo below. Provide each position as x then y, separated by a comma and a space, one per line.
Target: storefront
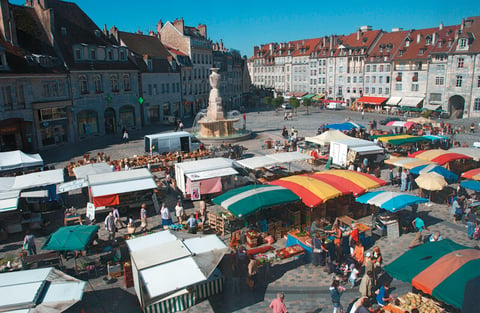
16, 134
52, 122
110, 121
154, 114
187, 108
127, 116
87, 122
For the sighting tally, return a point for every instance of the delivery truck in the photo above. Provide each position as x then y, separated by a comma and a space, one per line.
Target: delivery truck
171, 142
345, 152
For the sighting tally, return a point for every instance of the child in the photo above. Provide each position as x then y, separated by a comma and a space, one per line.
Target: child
353, 276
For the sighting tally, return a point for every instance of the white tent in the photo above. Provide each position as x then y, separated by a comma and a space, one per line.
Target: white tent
121, 182
44, 290
12, 160
271, 159
155, 257
328, 136
38, 179
91, 169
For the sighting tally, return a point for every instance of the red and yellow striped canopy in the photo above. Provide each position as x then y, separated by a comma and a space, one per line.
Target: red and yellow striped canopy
439, 156
472, 174
316, 188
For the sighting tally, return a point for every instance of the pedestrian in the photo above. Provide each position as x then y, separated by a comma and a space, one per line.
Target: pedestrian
117, 220
471, 219
353, 275
110, 226
419, 225
285, 117
363, 114
252, 272
179, 212
168, 181
180, 125
338, 243
125, 136
165, 214
336, 292
457, 208
370, 266
277, 304
403, 180
367, 285
290, 116
29, 243
383, 294
244, 121
409, 181
192, 224
358, 253
317, 250
143, 218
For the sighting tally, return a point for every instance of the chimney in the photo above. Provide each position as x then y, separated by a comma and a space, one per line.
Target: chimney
139, 32
178, 23
419, 37
331, 42
5, 20
463, 24
159, 26
358, 34
324, 41
221, 44
440, 27
105, 30
114, 32
202, 29
434, 38
151, 33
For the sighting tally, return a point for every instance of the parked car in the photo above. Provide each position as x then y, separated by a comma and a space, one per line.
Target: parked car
286, 106
388, 120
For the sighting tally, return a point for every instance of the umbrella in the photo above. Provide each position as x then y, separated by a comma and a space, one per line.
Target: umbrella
249, 199
431, 181
421, 120
400, 124
327, 137
471, 184
472, 174
441, 269
390, 200
439, 156
71, 238
422, 169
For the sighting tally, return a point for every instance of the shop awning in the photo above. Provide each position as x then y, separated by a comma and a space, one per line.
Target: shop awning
400, 124
257, 162
91, 169
436, 137
393, 101
474, 153
39, 290
12, 160
439, 156
121, 182
471, 184
308, 96
406, 162
34, 194
288, 157
373, 149
328, 136
250, 199
398, 140
441, 269
296, 94
211, 174
472, 174
411, 102
432, 107
318, 97
390, 200
372, 100
312, 191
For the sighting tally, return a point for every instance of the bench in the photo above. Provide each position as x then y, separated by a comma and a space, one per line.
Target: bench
74, 219
48, 258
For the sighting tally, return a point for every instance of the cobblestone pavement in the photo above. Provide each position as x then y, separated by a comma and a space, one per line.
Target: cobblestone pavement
305, 287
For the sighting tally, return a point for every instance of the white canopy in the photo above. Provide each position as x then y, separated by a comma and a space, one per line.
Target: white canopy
38, 179
410, 101
328, 136
474, 153
121, 182
91, 169
12, 160
275, 158
39, 290
393, 101
9, 200
227, 171
192, 258
364, 150
204, 165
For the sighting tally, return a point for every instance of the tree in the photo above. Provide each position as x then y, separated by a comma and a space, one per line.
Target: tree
306, 104
277, 102
294, 103
267, 101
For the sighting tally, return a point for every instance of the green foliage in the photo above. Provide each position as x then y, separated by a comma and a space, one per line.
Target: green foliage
294, 102
427, 113
277, 102
267, 100
307, 102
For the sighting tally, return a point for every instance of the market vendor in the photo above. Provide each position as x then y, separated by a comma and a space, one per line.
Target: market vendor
314, 228
192, 224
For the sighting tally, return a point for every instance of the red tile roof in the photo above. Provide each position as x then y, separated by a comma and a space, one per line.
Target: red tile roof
471, 31
354, 40
388, 44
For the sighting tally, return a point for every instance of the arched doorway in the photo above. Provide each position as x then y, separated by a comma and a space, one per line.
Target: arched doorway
87, 122
456, 106
126, 116
110, 121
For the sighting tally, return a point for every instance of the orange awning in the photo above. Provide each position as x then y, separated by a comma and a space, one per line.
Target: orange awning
372, 100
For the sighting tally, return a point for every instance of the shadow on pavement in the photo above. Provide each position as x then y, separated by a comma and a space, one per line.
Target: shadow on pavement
107, 300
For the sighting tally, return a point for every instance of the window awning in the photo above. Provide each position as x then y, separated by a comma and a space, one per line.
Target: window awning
372, 100
410, 101
211, 174
432, 107
393, 100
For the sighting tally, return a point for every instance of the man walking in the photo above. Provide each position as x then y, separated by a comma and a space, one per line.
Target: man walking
110, 226
277, 304
29, 243
471, 219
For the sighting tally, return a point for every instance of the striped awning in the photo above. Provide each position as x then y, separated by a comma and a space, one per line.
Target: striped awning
472, 174
390, 200
439, 156
406, 162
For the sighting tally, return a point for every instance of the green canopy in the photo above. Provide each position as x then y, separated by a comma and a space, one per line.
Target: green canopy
249, 199
397, 142
71, 238
308, 96
441, 269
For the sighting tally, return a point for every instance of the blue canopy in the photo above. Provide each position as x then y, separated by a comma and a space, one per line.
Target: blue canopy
427, 168
471, 184
390, 200
344, 126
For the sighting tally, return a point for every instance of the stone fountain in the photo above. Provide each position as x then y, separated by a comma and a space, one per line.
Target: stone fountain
214, 124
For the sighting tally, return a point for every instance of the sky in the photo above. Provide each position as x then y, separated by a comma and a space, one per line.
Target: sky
248, 23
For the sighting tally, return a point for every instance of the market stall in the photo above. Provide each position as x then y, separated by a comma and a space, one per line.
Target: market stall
12, 161
443, 270
472, 174
407, 125
422, 169
406, 162
192, 258
439, 156
347, 126
39, 290
474, 153
272, 159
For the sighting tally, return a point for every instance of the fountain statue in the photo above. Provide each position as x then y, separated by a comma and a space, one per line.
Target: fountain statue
214, 124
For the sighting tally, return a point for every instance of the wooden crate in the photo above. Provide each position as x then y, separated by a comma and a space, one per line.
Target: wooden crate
294, 217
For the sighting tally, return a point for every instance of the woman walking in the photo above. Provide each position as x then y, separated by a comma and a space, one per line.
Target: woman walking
336, 292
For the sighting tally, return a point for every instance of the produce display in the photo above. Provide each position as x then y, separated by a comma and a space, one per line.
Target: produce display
424, 305
289, 251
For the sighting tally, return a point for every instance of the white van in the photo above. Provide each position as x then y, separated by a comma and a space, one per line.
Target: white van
171, 142
334, 106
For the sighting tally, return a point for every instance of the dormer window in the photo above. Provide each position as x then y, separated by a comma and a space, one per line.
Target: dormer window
428, 40
401, 52
407, 43
93, 54
78, 54
110, 55
421, 51
463, 43
122, 55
